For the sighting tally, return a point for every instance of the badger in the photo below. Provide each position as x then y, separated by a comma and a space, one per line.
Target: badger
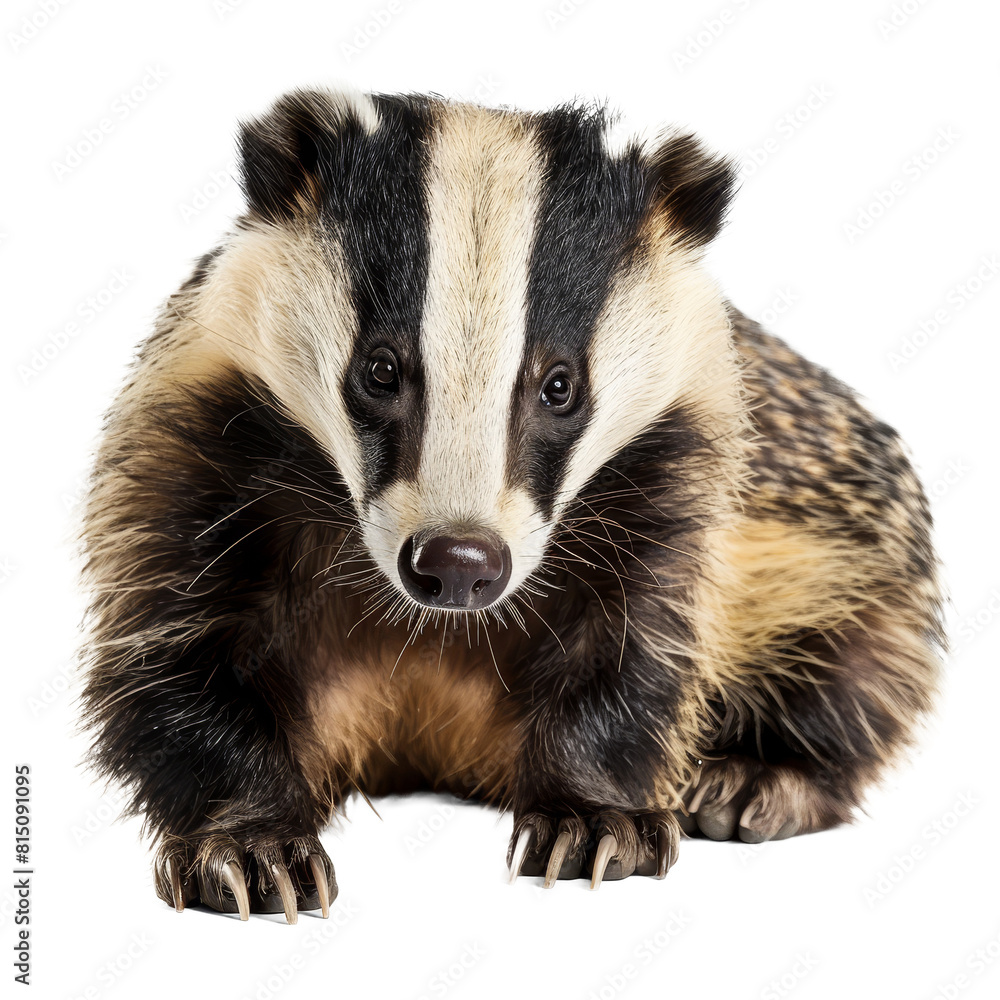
450, 468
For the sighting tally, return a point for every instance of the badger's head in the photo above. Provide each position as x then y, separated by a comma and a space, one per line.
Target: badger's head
471, 311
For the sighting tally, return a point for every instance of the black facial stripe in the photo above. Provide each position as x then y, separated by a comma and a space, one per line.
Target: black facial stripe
374, 199
589, 218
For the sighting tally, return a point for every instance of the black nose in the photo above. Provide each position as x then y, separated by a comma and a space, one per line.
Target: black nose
443, 571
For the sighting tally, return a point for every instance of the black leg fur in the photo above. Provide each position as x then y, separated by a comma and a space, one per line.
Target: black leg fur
608, 739
190, 687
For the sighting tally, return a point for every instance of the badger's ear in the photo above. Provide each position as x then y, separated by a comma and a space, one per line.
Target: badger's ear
282, 152
693, 189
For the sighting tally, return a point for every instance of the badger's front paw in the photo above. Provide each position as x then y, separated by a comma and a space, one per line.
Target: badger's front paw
604, 845
244, 874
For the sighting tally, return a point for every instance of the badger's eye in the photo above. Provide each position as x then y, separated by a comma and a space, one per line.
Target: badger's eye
382, 376
557, 392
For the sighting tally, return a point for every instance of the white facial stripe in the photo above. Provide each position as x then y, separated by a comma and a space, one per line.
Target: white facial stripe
280, 306
658, 342
484, 180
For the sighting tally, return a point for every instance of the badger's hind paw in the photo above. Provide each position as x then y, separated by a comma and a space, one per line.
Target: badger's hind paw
252, 874
604, 846
738, 798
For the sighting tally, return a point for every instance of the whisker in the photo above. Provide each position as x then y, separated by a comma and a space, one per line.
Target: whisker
280, 517
378, 604
638, 534
211, 527
409, 639
535, 611
486, 632
249, 409
294, 489
597, 594
619, 548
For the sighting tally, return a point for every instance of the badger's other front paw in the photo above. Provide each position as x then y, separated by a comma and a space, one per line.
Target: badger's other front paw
244, 874
604, 845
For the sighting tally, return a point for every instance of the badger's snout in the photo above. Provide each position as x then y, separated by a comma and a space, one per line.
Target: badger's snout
463, 572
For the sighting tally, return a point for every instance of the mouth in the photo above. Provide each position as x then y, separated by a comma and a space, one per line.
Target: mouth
465, 570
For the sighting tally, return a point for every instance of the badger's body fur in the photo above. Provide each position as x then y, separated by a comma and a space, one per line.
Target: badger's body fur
446, 336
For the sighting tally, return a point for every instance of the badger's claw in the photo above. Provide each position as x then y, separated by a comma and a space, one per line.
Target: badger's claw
606, 846
251, 875
176, 888
605, 849
520, 849
284, 884
557, 857
232, 875
666, 846
318, 870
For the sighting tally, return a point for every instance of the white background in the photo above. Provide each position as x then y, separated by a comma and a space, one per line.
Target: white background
900, 905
